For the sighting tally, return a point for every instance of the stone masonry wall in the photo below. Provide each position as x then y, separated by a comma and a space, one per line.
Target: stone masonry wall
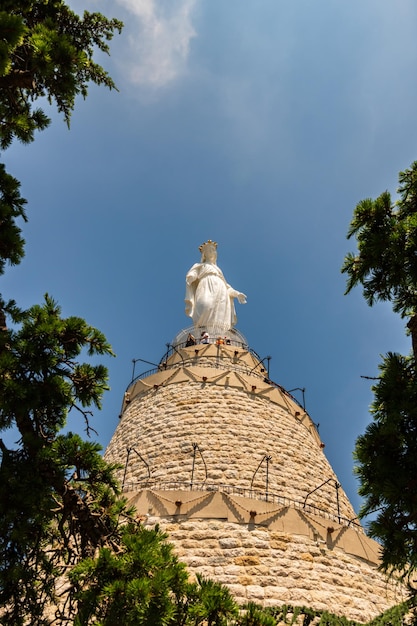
274, 568
234, 430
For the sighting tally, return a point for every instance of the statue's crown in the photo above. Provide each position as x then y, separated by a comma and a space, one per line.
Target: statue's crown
207, 243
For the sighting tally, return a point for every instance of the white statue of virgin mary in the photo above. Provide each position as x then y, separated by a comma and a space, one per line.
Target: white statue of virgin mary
209, 299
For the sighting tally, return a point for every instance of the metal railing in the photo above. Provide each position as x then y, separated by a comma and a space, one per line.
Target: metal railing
212, 361
246, 493
209, 361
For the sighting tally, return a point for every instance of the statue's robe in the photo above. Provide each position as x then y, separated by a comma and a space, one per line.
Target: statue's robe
209, 299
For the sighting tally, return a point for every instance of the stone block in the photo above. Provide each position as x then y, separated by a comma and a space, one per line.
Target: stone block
230, 542
245, 580
255, 592
247, 560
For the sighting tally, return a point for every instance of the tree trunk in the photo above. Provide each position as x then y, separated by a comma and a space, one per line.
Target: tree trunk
17, 78
3, 323
412, 325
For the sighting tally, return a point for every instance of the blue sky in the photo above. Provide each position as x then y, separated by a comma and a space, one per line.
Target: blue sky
256, 124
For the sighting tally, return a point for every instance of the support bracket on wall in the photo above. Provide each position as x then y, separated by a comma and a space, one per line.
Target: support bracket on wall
336, 486
129, 450
195, 448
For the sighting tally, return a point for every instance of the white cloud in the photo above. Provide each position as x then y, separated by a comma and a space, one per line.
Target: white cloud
159, 35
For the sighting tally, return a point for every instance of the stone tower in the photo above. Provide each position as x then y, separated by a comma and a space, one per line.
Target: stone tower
232, 467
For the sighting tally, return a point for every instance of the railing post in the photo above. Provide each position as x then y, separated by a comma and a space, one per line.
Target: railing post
127, 461
192, 469
267, 458
337, 485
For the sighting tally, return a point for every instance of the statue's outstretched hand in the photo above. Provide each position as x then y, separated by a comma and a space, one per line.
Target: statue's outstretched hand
241, 298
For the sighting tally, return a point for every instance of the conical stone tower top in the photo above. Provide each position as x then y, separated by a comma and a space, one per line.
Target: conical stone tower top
232, 466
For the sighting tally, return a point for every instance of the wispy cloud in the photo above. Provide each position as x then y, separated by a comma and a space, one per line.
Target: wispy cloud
159, 36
